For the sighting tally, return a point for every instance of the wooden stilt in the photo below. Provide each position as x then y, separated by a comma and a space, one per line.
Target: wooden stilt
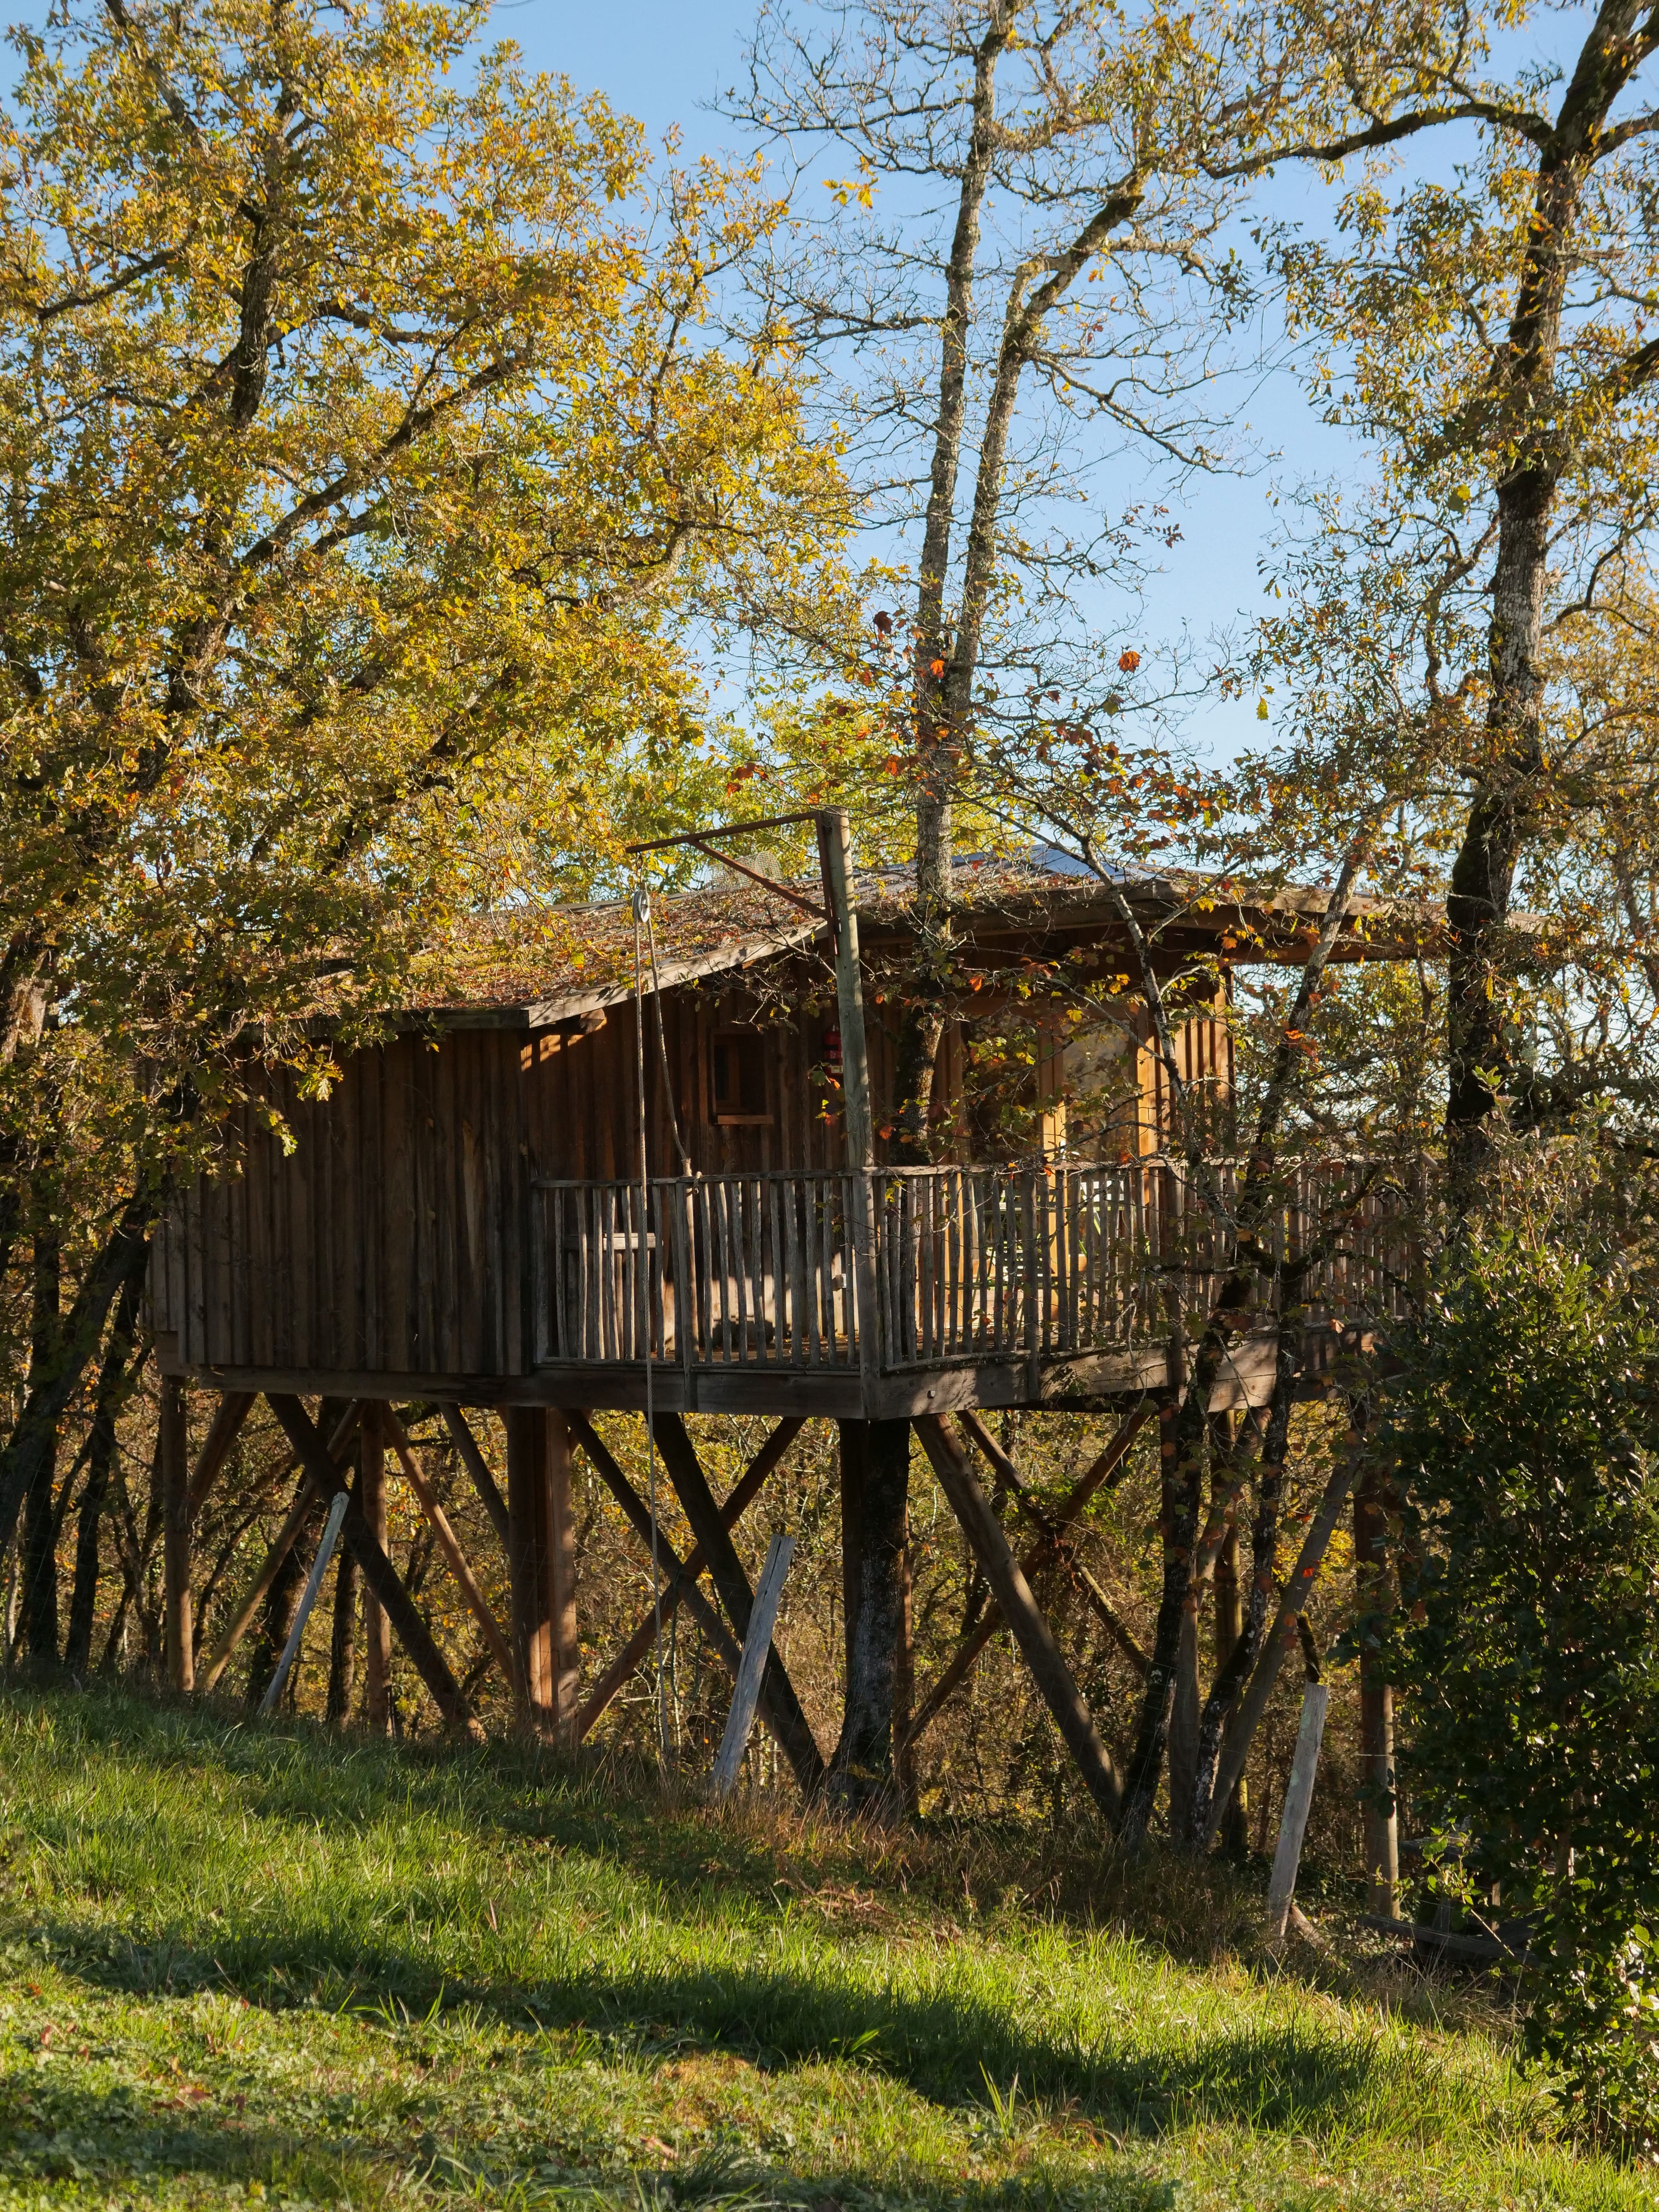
782, 1707
174, 1453
1229, 1628
564, 1650
864, 1776
1031, 1632
377, 1630
529, 1513
379, 1573
679, 1582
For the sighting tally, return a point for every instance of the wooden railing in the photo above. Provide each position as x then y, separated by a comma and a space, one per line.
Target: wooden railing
959, 1265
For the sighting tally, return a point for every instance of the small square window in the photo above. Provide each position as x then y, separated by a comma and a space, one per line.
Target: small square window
738, 1073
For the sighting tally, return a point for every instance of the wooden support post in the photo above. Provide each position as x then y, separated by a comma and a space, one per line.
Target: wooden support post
1108, 1465
679, 1580
1229, 1628
174, 1453
1031, 1632
1374, 1597
745, 1693
528, 1514
784, 1715
864, 1776
449, 1545
1299, 1797
566, 1651
377, 1630
836, 857
379, 1573
542, 1560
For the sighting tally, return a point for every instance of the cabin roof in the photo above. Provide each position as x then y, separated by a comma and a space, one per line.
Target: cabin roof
531, 966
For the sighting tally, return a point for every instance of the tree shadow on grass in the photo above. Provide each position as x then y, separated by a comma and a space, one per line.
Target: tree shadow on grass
1288, 2076
66, 2134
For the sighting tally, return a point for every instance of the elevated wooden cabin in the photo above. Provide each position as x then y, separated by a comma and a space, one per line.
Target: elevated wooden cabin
462, 1216
463, 1219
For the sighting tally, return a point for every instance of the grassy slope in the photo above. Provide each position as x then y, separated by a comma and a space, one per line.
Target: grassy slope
244, 1962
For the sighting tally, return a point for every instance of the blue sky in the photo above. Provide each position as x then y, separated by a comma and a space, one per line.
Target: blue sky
663, 64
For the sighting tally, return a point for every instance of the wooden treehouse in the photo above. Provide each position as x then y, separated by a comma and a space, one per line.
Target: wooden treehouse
603, 1164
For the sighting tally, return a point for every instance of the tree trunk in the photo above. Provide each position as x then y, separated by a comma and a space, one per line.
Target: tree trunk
35, 1438
1228, 1632
1373, 1597
40, 1546
342, 1643
113, 1385
1215, 1721
862, 1774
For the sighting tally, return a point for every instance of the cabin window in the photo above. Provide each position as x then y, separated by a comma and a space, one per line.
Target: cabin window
738, 1073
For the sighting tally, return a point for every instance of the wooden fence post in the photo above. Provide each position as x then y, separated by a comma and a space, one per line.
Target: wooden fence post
175, 1453
745, 1696
1298, 1796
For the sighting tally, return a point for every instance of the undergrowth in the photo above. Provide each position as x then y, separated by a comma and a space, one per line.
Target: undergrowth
259, 1963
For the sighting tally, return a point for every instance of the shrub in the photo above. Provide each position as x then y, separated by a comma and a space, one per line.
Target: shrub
1524, 1429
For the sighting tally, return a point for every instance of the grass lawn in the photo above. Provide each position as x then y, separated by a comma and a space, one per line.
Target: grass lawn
255, 1964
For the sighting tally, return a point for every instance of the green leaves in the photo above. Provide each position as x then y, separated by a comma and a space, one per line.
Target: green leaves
1524, 1435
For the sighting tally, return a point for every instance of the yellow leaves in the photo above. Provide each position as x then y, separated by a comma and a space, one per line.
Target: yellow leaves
861, 189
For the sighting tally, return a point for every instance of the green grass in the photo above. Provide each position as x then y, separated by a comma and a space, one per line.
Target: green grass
252, 1963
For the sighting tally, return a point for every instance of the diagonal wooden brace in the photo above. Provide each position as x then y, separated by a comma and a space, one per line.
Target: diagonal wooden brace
467, 1581
478, 1468
219, 1658
1031, 1632
232, 1410
1055, 1530
961, 1665
779, 1704
679, 1582
681, 1577
378, 1572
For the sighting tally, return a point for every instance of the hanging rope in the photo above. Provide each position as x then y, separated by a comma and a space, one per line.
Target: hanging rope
686, 1168
640, 905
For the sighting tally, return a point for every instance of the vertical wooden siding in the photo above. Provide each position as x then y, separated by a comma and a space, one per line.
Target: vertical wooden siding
388, 1240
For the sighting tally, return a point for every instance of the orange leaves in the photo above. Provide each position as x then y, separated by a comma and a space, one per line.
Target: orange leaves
1128, 661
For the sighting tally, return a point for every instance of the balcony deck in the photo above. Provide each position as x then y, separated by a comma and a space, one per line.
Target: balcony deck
908, 1291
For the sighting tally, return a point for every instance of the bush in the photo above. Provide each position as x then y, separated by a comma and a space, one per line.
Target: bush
1524, 1429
